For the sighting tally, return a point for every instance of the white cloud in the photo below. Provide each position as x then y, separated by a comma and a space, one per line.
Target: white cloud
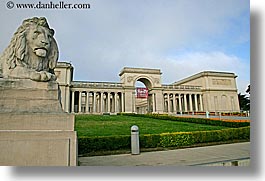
194, 62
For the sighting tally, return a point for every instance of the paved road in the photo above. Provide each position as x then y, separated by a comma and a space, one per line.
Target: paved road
220, 155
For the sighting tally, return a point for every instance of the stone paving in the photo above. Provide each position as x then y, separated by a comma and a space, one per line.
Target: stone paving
237, 154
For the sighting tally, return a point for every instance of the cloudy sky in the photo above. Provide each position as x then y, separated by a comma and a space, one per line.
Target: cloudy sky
180, 37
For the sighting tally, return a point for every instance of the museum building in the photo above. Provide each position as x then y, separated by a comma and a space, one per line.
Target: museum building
205, 91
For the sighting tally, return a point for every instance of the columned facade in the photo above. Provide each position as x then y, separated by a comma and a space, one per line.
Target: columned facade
92, 101
205, 91
177, 102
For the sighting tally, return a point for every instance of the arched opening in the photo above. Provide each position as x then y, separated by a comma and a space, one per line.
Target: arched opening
143, 98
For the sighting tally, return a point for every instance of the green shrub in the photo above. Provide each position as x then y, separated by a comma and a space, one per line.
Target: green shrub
178, 139
192, 120
106, 143
150, 140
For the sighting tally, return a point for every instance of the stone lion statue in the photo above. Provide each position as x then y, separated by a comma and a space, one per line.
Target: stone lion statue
32, 52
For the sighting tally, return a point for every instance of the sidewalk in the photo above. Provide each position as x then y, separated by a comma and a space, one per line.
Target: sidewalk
237, 154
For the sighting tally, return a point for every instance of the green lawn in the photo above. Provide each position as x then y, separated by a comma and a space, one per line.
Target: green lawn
110, 125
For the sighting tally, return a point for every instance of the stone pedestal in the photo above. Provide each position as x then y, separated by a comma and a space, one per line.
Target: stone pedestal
34, 131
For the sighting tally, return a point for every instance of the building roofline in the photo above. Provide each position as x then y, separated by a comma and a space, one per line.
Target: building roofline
80, 81
63, 64
140, 70
205, 73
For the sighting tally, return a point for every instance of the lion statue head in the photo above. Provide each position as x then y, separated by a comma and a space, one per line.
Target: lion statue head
32, 52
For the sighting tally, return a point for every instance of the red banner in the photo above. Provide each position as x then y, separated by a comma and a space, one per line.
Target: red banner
142, 92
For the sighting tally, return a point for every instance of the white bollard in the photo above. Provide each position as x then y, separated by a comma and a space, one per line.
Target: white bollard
207, 114
135, 146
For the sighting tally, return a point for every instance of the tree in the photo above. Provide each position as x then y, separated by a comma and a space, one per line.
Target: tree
248, 89
244, 102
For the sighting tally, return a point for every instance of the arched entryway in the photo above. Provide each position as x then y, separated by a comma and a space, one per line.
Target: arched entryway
151, 80
143, 98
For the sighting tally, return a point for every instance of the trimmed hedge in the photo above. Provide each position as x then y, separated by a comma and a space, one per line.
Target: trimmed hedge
90, 144
191, 120
178, 139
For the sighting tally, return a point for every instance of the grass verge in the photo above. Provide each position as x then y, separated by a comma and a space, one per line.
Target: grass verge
109, 125
99, 134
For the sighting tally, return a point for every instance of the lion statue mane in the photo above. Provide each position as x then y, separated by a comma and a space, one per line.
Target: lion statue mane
32, 52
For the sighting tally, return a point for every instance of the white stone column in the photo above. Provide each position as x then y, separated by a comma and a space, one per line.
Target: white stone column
115, 102
174, 103
118, 102
133, 101
164, 101
94, 101
87, 102
201, 107
168, 103
154, 102
67, 99
112, 102
180, 103
190, 100
108, 101
122, 102
97, 102
101, 102
73, 102
80, 102
185, 103
196, 102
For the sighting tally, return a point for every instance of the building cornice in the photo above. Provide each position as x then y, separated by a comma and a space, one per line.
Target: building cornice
140, 71
205, 74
